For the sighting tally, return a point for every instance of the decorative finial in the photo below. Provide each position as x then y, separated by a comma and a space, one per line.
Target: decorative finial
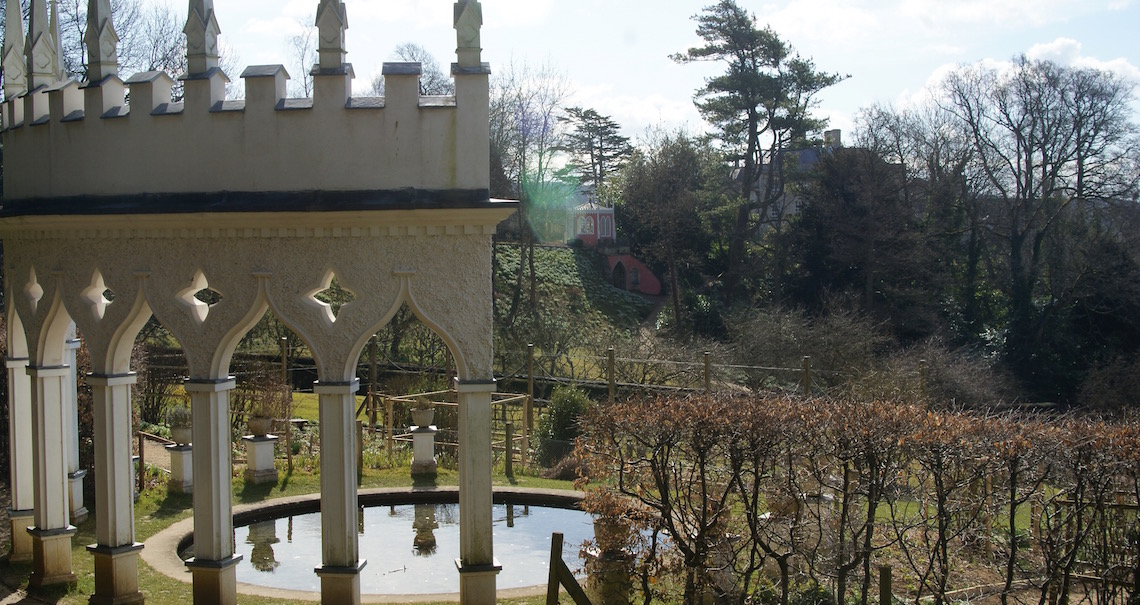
201, 37
332, 21
102, 41
40, 47
60, 68
15, 63
468, 21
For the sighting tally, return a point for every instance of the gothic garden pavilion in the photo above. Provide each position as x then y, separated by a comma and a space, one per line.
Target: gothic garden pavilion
116, 212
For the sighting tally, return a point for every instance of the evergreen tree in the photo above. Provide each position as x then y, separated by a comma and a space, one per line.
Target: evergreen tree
595, 145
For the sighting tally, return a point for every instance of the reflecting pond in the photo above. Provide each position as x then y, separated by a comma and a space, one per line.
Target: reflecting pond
411, 549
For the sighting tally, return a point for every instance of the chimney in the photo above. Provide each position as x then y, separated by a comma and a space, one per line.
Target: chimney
833, 139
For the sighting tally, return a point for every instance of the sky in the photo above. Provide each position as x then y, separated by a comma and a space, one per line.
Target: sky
614, 54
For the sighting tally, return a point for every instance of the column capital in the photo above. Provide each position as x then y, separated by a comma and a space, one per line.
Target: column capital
209, 385
17, 362
475, 386
321, 387
112, 380
48, 371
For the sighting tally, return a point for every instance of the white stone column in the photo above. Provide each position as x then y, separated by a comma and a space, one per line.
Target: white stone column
51, 536
115, 550
76, 509
20, 515
215, 579
340, 552
476, 563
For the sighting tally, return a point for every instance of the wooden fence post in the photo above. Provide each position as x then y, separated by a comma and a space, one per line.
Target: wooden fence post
885, 590
509, 465
388, 429
372, 384
528, 411
807, 376
610, 371
708, 373
289, 412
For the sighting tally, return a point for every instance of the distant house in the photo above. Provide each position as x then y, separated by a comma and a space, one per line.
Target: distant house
592, 224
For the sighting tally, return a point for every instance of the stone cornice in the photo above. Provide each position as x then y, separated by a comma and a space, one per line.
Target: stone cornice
357, 223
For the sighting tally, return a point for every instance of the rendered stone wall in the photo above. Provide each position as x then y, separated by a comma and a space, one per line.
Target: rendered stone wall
265, 143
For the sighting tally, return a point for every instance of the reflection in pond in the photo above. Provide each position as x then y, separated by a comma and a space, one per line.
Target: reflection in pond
521, 533
424, 543
263, 535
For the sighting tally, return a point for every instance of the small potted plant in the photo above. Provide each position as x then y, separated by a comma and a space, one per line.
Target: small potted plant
268, 402
423, 411
178, 419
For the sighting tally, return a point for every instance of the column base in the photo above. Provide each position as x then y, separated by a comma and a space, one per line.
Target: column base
477, 582
18, 522
116, 575
51, 557
181, 469
261, 477
340, 584
79, 513
215, 582
422, 468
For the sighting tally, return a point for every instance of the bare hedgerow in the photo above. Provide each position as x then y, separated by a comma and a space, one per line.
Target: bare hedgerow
841, 344
954, 378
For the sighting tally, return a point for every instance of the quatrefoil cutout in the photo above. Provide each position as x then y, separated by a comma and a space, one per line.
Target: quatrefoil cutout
199, 297
332, 297
98, 295
33, 291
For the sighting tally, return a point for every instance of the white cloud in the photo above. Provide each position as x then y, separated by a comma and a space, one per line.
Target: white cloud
1066, 51
944, 15
833, 21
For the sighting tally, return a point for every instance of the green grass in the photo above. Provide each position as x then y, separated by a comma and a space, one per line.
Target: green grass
157, 509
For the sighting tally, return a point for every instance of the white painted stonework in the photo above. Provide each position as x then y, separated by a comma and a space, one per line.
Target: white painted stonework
116, 213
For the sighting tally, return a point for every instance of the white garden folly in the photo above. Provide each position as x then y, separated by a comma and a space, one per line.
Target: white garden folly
114, 212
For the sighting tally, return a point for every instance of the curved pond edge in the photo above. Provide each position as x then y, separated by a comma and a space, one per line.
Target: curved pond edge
161, 549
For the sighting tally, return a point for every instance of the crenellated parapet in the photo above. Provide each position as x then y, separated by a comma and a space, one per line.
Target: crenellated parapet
109, 146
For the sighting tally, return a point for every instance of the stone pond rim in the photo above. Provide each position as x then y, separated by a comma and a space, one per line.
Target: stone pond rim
161, 550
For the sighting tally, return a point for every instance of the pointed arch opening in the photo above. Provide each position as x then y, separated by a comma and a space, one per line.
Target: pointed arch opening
404, 366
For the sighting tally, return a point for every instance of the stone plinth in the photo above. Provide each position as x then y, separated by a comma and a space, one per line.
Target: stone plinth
259, 459
19, 521
181, 469
215, 582
116, 575
78, 513
51, 557
423, 450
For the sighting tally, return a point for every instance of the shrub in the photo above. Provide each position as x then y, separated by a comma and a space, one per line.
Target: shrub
558, 427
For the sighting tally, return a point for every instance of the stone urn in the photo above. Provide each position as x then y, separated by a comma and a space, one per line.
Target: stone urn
423, 417
181, 434
259, 426
611, 535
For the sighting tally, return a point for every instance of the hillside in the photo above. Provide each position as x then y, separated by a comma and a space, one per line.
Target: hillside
570, 282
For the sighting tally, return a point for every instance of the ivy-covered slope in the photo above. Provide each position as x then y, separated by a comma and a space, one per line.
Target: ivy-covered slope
569, 281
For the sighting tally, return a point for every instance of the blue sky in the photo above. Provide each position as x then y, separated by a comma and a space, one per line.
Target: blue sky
615, 53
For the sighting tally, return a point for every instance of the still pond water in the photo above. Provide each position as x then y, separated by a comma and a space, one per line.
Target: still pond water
411, 549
